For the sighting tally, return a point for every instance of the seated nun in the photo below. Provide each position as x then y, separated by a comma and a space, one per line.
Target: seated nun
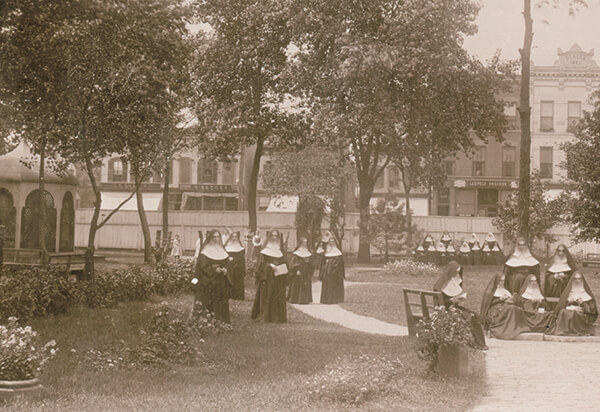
519, 265
576, 310
535, 306
450, 285
486, 251
559, 272
501, 317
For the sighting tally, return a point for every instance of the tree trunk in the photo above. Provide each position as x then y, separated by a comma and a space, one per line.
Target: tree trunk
525, 113
143, 221
386, 256
165, 208
42, 203
366, 187
88, 272
253, 185
408, 220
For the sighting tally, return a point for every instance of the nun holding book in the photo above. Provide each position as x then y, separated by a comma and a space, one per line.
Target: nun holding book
271, 278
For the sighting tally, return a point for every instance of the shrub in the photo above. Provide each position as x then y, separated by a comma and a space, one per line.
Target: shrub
444, 327
354, 381
170, 338
413, 268
21, 354
35, 292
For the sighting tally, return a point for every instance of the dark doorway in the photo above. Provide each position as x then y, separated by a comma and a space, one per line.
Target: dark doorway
8, 217
67, 224
30, 221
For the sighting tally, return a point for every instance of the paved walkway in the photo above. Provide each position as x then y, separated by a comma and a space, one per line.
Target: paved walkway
541, 376
522, 375
350, 320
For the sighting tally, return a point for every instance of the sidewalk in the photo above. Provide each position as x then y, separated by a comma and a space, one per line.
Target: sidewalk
541, 376
347, 319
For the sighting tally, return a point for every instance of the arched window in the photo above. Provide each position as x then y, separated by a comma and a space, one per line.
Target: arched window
30, 221
8, 217
207, 171
185, 170
67, 224
117, 170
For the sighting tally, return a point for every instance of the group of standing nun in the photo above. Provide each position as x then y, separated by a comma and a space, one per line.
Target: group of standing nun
514, 302
220, 271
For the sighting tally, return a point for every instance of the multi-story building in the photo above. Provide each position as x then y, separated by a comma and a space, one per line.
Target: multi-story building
559, 95
195, 183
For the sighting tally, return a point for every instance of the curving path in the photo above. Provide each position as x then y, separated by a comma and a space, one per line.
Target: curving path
347, 319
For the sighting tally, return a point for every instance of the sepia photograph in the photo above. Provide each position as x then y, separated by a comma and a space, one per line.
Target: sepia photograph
299, 205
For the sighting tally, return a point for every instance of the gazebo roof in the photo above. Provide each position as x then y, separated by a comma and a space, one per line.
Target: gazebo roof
13, 170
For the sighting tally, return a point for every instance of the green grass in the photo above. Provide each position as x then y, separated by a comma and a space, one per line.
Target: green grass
257, 367
384, 300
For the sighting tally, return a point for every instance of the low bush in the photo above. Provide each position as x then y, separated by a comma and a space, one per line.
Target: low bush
413, 268
171, 338
22, 355
37, 292
354, 381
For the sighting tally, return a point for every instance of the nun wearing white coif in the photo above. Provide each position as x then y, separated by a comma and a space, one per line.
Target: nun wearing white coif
450, 285
576, 310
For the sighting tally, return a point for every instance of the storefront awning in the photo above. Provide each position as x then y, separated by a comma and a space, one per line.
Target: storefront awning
187, 195
111, 200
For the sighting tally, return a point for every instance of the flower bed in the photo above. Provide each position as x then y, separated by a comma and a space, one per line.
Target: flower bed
22, 355
412, 268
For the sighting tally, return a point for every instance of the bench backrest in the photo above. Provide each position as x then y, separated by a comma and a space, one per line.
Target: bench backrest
23, 255
418, 304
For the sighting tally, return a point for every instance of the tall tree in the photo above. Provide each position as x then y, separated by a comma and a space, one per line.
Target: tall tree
583, 171
99, 78
239, 86
315, 175
525, 111
360, 65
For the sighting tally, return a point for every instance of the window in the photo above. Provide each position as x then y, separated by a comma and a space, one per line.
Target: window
117, 170
207, 171
449, 167
574, 114
479, 162
511, 113
394, 177
228, 173
185, 170
547, 116
546, 162
379, 184
508, 161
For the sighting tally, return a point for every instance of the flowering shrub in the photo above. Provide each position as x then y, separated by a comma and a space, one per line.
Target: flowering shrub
355, 381
410, 268
170, 338
35, 292
444, 327
21, 357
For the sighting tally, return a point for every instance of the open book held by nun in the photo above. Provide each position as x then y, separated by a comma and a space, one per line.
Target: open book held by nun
279, 270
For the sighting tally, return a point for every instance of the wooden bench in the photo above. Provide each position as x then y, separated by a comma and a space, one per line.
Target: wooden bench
418, 303
73, 261
591, 259
23, 257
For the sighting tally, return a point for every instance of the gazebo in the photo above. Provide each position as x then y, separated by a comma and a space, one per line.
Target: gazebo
20, 203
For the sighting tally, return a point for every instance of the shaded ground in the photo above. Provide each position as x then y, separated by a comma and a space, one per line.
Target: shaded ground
259, 366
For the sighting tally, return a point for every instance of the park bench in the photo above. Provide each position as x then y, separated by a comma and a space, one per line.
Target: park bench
418, 303
591, 259
73, 261
23, 257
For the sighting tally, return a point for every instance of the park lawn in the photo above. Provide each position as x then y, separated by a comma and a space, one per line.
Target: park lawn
380, 296
258, 366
